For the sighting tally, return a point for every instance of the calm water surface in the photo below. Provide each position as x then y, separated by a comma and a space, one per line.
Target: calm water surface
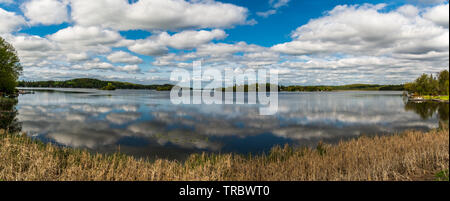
146, 124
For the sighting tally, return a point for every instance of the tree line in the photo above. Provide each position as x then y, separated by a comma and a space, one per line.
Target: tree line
92, 83
430, 85
368, 87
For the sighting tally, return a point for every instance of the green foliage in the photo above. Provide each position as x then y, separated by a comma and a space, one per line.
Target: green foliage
426, 110
109, 87
443, 82
91, 83
429, 85
442, 175
166, 87
10, 68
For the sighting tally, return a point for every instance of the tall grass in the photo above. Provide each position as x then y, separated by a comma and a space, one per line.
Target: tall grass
411, 155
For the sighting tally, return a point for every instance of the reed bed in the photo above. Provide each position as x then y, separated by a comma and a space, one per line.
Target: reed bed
411, 155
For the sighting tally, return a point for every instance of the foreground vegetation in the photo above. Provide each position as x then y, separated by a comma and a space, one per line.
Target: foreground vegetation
93, 83
411, 155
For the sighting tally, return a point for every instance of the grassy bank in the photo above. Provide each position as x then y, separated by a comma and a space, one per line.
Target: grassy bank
440, 98
408, 156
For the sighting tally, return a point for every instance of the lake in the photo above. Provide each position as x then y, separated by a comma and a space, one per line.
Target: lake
145, 123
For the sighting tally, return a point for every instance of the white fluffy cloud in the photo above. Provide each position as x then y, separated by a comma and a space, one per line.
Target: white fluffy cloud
364, 30
129, 68
220, 49
10, 21
355, 43
149, 47
158, 44
31, 43
157, 14
191, 39
97, 64
365, 44
32, 50
438, 15
86, 36
94, 39
77, 57
124, 57
46, 12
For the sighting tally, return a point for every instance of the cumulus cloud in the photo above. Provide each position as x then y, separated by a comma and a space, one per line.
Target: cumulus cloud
217, 49
355, 43
158, 44
124, 57
129, 68
191, 39
46, 12
30, 43
438, 15
77, 57
94, 64
86, 36
157, 14
362, 44
10, 21
98, 64
32, 50
149, 47
364, 29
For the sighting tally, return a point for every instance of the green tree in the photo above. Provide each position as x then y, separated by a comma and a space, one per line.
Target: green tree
421, 84
443, 82
429, 85
10, 68
110, 86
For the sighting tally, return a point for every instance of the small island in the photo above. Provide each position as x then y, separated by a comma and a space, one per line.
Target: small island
109, 87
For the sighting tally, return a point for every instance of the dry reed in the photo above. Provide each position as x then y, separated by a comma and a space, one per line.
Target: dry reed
411, 155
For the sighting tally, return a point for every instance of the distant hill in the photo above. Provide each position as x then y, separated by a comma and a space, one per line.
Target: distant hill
92, 83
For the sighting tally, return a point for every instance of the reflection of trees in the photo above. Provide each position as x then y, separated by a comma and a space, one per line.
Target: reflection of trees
426, 109
443, 112
8, 115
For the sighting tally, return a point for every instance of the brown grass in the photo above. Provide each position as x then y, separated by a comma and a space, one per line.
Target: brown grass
411, 155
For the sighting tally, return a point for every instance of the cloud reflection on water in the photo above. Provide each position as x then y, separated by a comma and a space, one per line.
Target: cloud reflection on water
145, 123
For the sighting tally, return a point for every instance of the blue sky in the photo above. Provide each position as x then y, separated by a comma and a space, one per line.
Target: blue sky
307, 42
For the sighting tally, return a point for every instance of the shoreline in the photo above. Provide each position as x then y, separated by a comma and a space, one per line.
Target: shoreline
411, 155
428, 98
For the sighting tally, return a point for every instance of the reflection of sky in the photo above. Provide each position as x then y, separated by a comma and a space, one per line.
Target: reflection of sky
145, 123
